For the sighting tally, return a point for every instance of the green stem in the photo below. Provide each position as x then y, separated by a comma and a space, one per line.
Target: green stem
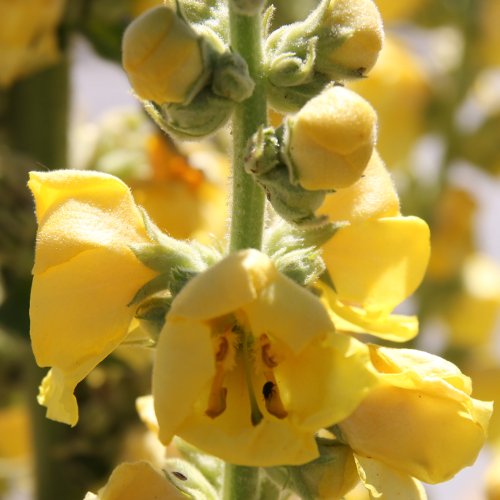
240, 483
247, 223
247, 220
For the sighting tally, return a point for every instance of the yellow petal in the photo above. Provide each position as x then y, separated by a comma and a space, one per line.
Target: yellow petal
373, 196
376, 264
312, 383
79, 313
225, 287
384, 482
84, 277
183, 368
393, 327
79, 211
422, 403
131, 481
289, 313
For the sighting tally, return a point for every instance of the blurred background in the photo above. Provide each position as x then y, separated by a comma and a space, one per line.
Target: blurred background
66, 103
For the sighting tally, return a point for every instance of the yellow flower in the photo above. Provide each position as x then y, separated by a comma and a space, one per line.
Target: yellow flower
331, 139
248, 366
399, 90
184, 201
131, 481
393, 11
421, 419
162, 56
84, 276
28, 39
452, 233
472, 314
377, 257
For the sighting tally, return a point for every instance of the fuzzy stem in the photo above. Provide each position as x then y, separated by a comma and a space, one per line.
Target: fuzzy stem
247, 220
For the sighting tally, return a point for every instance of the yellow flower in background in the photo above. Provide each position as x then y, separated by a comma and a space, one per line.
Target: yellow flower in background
421, 419
472, 313
452, 233
182, 186
162, 56
493, 479
377, 257
399, 90
184, 201
16, 433
84, 276
248, 366
331, 139
28, 38
395, 11
131, 481
489, 36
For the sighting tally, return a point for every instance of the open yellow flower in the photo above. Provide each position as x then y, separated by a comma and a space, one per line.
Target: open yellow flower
421, 419
377, 258
84, 276
248, 366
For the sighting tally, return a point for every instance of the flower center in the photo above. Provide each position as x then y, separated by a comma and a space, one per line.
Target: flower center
234, 345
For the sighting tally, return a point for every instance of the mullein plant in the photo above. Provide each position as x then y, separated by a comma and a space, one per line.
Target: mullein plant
260, 373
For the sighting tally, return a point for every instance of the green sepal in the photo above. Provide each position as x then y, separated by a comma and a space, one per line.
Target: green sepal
294, 203
151, 314
247, 7
331, 475
290, 70
189, 480
157, 284
303, 265
211, 467
231, 78
291, 99
263, 152
179, 278
160, 258
205, 114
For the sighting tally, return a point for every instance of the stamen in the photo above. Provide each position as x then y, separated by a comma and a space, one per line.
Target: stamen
217, 397
268, 357
270, 390
218, 393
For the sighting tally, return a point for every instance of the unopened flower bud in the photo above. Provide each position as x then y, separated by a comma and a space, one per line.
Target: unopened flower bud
351, 38
163, 57
330, 140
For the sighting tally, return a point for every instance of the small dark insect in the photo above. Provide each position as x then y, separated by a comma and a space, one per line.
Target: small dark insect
180, 475
268, 390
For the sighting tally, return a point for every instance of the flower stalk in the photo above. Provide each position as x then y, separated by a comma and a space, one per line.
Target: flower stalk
247, 218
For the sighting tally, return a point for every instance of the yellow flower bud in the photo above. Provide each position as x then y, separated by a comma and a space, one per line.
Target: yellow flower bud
359, 28
332, 139
421, 420
162, 56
